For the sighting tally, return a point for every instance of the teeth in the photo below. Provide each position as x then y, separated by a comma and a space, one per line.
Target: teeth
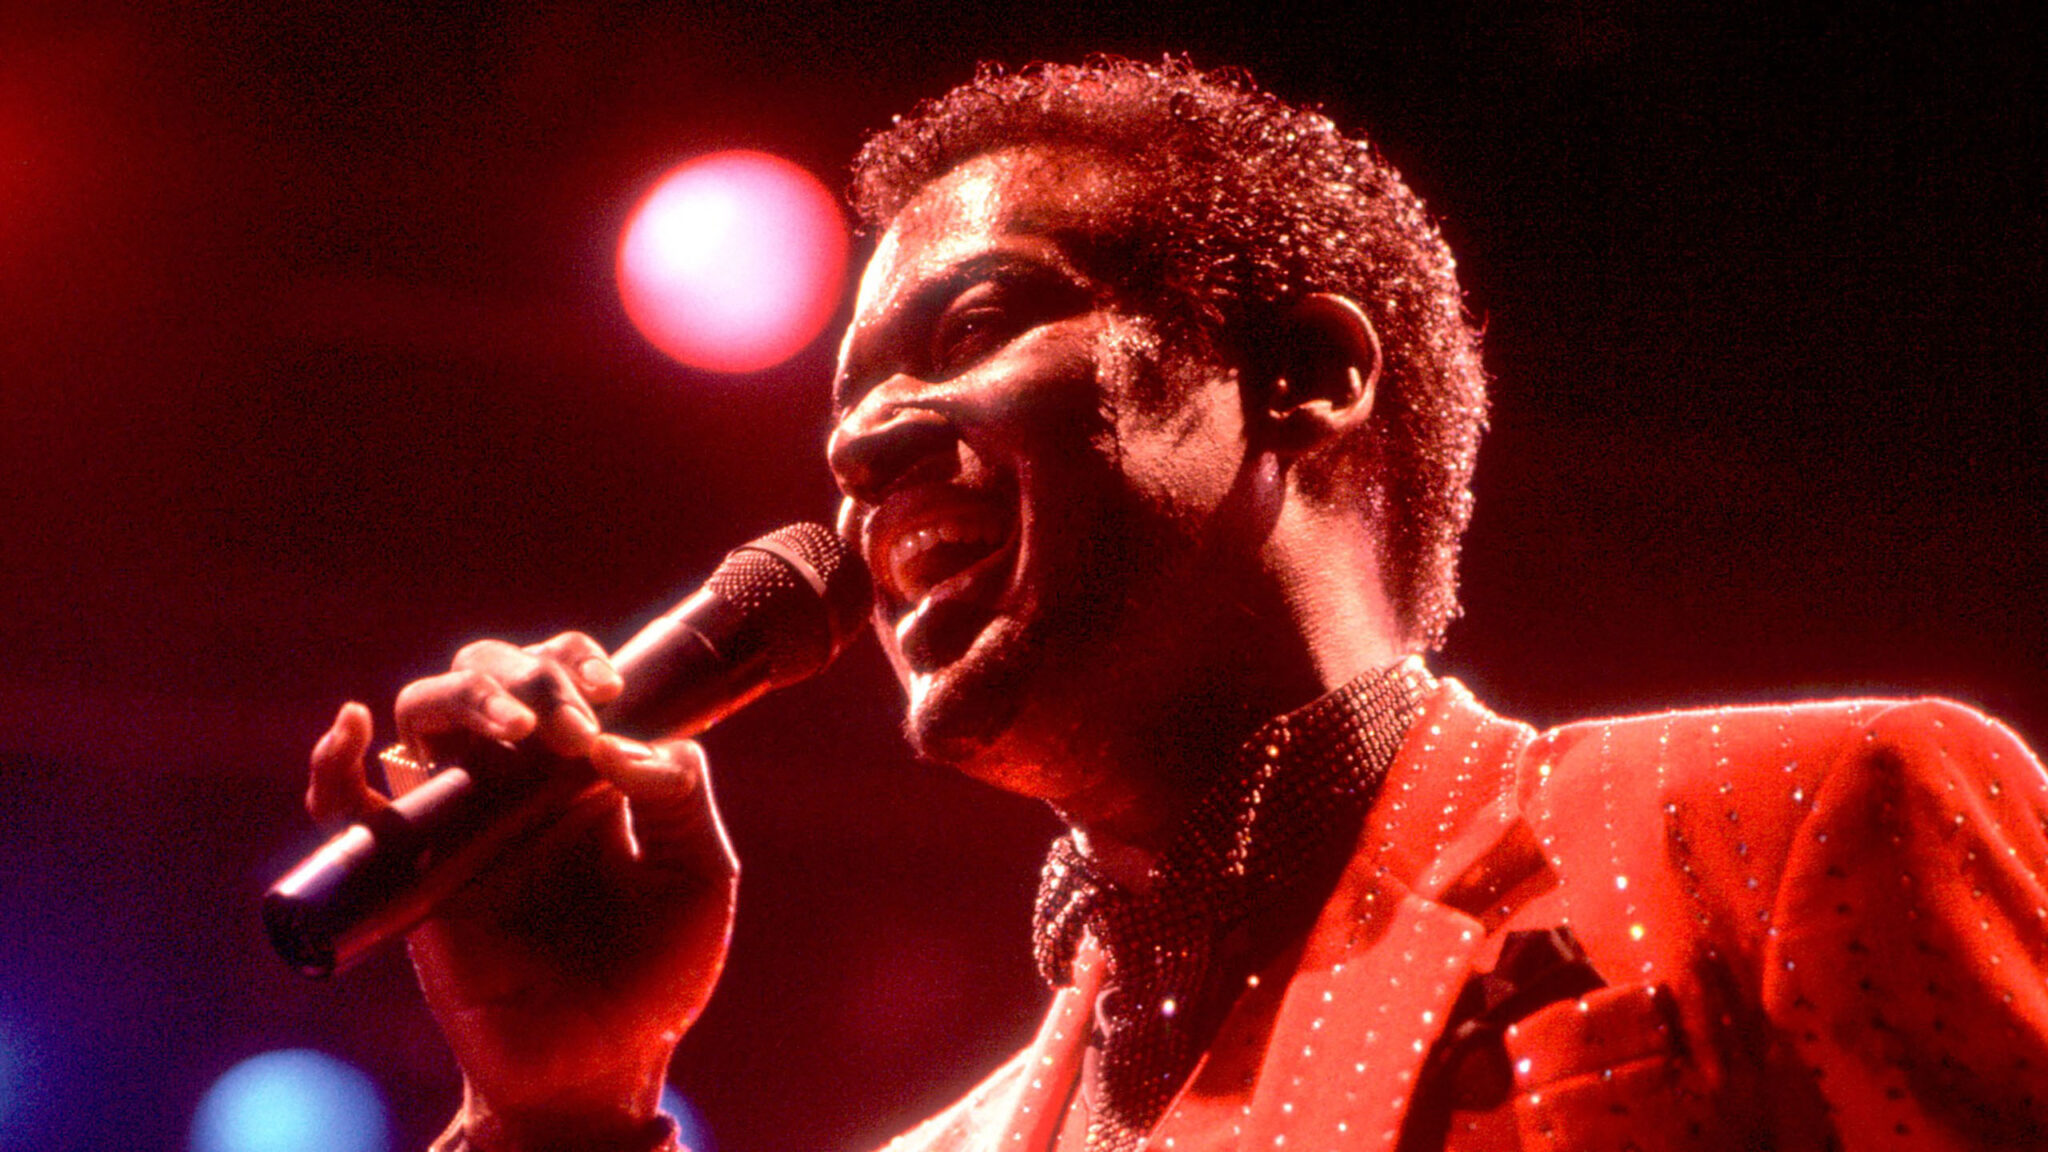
908, 550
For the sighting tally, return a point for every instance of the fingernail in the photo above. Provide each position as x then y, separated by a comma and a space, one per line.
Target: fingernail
506, 712
579, 719
597, 670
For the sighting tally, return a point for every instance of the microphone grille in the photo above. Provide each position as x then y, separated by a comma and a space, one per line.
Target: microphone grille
751, 579
817, 546
808, 591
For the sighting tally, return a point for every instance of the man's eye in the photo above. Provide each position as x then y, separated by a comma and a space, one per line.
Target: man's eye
967, 335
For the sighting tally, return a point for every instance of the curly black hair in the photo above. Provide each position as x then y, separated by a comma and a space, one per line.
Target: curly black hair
1248, 205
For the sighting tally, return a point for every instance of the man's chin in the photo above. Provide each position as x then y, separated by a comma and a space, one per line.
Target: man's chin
955, 723
965, 713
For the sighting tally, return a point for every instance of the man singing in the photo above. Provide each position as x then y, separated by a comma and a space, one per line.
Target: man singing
1155, 422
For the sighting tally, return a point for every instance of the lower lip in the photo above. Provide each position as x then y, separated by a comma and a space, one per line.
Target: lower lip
943, 625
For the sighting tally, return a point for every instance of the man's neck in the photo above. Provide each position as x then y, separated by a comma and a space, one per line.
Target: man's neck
1131, 868
1309, 617
1150, 776
1131, 861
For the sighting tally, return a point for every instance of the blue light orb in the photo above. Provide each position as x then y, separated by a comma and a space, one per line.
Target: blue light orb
10, 1078
293, 1100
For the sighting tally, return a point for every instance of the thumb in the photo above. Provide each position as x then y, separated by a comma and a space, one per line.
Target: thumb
337, 790
667, 785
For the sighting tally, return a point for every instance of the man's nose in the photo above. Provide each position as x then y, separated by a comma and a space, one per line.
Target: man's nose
886, 440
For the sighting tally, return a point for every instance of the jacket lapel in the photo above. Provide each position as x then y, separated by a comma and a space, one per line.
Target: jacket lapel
1028, 1115
1444, 856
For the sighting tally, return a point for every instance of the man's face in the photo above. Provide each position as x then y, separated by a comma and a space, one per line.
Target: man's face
1035, 488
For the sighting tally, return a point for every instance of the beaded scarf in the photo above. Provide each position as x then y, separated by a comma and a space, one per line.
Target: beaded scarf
1278, 823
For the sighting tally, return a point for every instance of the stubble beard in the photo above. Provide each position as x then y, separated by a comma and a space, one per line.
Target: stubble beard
1036, 702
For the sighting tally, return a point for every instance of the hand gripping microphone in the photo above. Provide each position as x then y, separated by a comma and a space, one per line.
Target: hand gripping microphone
776, 611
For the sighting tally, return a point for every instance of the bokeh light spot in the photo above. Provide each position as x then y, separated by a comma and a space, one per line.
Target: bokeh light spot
734, 262
10, 1076
293, 1100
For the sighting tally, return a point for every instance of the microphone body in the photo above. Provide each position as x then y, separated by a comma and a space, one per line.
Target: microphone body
776, 611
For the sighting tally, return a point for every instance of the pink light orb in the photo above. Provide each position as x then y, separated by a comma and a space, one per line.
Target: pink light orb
734, 261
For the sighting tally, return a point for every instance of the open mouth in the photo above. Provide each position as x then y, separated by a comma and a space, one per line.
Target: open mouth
939, 546
941, 558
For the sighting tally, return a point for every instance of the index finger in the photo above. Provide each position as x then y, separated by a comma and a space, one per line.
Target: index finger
586, 662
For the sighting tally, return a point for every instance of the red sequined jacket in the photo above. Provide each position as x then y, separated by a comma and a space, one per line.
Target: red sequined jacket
1818, 926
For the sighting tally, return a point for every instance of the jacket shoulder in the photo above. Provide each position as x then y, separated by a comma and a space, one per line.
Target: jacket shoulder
1732, 812
1774, 747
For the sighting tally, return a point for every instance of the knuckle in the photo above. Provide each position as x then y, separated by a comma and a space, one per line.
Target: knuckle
571, 646
483, 654
418, 696
438, 702
473, 687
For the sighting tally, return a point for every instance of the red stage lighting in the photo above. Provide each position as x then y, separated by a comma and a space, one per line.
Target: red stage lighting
733, 262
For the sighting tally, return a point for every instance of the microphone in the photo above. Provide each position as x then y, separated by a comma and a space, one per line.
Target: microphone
776, 611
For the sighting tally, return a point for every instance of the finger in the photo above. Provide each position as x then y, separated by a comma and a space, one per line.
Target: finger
667, 786
664, 774
337, 790
565, 722
497, 658
586, 663
468, 703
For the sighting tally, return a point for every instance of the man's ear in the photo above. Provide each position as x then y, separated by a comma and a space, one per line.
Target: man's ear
1320, 371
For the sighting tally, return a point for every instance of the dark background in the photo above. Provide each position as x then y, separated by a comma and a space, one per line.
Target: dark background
311, 367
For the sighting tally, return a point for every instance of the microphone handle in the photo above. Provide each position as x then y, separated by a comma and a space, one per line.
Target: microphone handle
380, 877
